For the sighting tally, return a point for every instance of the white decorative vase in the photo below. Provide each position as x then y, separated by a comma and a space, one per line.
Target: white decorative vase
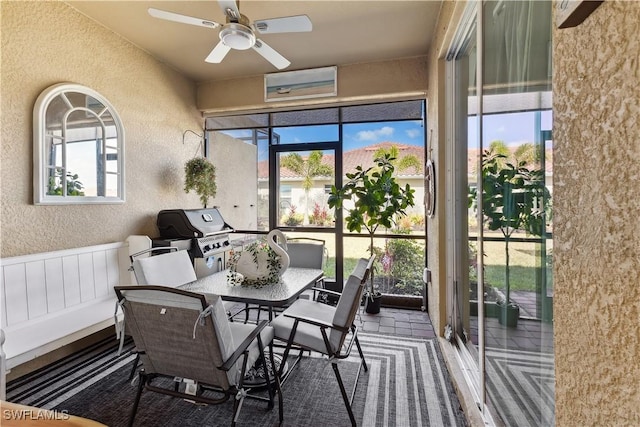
256, 265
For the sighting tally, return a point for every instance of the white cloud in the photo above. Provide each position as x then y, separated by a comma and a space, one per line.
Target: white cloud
413, 133
373, 135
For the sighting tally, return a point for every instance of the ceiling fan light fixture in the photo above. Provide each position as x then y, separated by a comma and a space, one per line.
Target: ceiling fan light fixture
237, 36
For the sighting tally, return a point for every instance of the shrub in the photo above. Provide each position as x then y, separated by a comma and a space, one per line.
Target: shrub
417, 220
293, 218
320, 215
404, 224
408, 263
74, 187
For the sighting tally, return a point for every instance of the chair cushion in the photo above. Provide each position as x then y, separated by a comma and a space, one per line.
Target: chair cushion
307, 335
170, 269
305, 255
222, 326
231, 334
348, 302
240, 331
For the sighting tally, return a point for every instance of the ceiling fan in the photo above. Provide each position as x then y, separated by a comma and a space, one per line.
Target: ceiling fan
240, 34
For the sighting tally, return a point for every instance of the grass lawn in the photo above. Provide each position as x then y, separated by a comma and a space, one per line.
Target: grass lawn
522, 262
354, 249
522, 258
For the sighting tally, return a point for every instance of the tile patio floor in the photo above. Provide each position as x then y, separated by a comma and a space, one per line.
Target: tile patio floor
529, 335
412, 323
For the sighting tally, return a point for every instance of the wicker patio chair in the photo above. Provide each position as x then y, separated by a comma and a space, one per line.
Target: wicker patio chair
183, 335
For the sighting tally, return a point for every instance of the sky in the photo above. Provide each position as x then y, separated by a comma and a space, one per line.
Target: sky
512, 128
356, 135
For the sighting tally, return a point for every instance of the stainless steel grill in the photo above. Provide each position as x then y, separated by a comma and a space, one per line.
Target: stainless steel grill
205, 233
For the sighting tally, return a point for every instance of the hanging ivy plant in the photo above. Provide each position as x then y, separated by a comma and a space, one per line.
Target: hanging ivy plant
273, 260
200, 176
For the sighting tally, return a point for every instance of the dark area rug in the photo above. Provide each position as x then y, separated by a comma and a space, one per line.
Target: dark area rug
407, 384
311, 390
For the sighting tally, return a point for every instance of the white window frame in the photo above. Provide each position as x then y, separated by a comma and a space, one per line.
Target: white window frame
40, 168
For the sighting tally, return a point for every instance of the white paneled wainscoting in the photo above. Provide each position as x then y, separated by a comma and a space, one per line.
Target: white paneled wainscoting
51, 299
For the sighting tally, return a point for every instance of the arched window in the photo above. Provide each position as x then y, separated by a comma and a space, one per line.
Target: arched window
78, 147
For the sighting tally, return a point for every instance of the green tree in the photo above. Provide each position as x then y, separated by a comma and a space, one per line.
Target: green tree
500, 147
399, 163
514, 197
378, 199
308, 168
526, 154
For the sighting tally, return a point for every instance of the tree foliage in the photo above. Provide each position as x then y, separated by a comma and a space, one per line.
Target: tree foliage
514, 197
308, 168
399, 163
378, 199
74, 187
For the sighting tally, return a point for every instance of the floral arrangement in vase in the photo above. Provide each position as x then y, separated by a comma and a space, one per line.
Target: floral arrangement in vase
260, 263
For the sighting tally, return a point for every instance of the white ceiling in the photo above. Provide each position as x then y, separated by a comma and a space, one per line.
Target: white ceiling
344, 32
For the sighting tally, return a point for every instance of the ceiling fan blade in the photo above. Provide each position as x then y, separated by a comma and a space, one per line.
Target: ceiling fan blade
230, 9
289, 24
183, 19
268, 53
218, 53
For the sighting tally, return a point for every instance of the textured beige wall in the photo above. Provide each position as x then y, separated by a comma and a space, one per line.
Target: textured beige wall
236, 179
436, 148
355, 82
44, 43
596, 95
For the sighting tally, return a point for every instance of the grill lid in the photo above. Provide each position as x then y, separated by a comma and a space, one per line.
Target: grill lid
190, 223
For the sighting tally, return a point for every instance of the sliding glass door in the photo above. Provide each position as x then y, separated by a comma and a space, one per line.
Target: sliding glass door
499, 238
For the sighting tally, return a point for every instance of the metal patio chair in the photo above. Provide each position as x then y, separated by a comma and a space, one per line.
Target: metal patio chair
172, 268
307, 252
304, 252
183, 335
315, 326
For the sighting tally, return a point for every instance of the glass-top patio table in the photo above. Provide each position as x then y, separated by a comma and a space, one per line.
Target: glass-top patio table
293, 282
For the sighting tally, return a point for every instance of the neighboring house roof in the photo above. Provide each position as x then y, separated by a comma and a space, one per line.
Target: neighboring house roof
358, 157
472, 160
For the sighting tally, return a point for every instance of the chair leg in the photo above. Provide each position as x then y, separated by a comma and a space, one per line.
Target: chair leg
277, 381
142, 381
263, 360
237, 405
135, 365
364, 362
238, 398
344, 394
